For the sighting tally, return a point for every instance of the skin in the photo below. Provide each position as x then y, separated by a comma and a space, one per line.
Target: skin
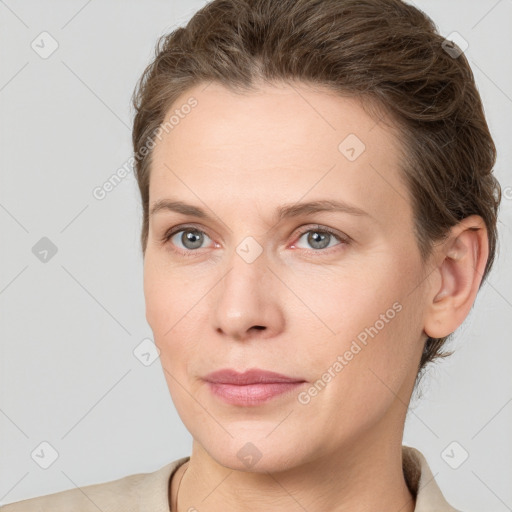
240, 157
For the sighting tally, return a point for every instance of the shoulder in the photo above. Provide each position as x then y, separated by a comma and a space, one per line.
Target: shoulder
422, 484
135, 492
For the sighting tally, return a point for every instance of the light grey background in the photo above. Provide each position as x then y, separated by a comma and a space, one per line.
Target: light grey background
70, 325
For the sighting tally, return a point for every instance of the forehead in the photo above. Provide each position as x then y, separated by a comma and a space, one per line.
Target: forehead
279, 144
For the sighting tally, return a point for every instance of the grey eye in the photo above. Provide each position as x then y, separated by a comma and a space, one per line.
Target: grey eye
189, 238
318, 239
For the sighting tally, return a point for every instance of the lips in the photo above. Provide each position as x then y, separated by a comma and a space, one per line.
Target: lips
253, 376
250, 388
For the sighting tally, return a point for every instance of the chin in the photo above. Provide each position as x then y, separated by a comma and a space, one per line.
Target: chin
255, 453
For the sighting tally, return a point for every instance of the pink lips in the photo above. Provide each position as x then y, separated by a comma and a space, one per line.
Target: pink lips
252, 387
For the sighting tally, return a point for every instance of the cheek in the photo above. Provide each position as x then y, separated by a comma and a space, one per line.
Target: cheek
348, 302
167, 295
377, 326
358, 381
173, 310
156, 299
168, 319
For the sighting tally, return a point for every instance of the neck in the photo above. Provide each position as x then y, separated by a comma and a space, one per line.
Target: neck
365, 476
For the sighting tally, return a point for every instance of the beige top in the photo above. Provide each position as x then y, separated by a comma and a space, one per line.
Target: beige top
148, 492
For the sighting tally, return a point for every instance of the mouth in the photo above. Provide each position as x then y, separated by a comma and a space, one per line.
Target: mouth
250, 388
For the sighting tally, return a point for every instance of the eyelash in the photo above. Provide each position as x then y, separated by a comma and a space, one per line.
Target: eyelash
344, 240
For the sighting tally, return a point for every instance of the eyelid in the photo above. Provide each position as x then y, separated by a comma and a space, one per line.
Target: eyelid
181, 227
320, 227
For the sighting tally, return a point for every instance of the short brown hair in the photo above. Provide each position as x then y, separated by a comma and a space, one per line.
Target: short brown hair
384, 51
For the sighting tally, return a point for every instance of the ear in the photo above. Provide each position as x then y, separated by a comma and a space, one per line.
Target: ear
460, 264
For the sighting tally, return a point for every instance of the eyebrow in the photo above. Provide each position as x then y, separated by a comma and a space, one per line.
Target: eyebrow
282, 212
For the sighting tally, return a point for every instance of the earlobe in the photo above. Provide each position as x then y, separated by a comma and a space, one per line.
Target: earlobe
462, 259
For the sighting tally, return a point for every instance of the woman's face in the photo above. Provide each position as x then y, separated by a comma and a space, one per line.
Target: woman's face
332, 298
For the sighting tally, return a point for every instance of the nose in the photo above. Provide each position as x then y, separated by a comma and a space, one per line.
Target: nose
246, 302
